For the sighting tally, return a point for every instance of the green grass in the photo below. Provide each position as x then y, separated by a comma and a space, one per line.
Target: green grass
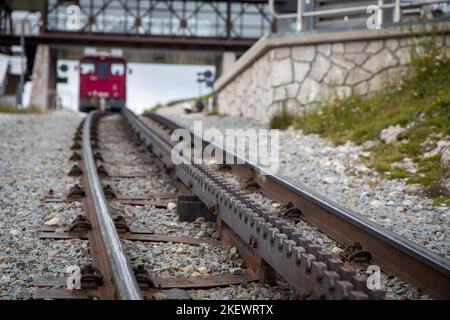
215, 113
421, 102
153, 109
7, 108
174, 102
282, 119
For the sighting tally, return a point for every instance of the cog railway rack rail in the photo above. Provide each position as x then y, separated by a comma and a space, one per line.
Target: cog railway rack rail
268, 245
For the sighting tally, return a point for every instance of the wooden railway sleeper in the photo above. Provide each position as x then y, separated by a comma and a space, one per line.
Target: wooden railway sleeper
142, 277
355, 252
91, 277
80, 224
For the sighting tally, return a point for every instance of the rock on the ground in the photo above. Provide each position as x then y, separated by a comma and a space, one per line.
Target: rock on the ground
390, 134
34, 157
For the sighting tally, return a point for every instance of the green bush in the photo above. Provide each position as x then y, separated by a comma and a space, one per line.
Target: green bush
282, 119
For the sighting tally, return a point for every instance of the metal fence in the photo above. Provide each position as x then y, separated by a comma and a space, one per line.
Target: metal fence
312, 15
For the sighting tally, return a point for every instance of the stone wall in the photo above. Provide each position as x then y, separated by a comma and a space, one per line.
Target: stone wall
300, 76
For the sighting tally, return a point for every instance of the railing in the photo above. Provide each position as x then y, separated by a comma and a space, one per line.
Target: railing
380, 5
179, 18
216, 19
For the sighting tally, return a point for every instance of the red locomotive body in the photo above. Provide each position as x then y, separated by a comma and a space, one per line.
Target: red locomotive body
102, 83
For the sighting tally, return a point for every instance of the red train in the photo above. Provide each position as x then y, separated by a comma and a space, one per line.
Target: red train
102, 83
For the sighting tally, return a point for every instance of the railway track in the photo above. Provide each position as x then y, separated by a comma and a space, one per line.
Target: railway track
270, 247
393, 253
129, 268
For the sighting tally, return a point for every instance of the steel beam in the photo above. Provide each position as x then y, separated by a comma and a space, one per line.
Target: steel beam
117, 40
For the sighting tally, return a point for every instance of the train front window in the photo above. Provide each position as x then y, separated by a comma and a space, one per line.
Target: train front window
87, 67
103, 70
118, 69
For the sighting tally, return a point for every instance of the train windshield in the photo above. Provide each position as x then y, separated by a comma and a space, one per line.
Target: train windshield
87, 67
103, 70
118, 69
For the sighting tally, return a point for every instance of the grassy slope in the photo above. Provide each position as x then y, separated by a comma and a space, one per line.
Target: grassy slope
6, 108
421, 103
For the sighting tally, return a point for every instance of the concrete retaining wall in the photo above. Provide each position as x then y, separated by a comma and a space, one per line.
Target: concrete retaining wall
303, 71
41, 73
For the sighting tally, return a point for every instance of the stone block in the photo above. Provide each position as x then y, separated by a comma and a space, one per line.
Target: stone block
404, 55
338, 48
392, 44
378, 82
357, 75
374, 46
336, 75
356, 58
282, 53
355, 47
282, 72
301, 69
380, 61
324, 49
309, 91
362, 88
292, 90
304, 53
279, 94
320, 68
340, 60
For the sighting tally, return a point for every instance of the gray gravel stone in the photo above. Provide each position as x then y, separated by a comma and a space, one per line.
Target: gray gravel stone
338, 173
34, 158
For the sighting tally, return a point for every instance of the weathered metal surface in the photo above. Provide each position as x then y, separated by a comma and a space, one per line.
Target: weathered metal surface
65, 294
135, 234
393, 253
108, 250
165, 238
230, 25
76, 193
210, 281
255, 264
45, 292
126, 41
190, 208
298, 261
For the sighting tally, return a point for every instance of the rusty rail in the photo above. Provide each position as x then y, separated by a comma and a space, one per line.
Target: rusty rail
109, 251
392, 252
311, 271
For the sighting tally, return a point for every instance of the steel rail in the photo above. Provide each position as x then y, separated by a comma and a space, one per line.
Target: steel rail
122, 276
302, 264
392, 252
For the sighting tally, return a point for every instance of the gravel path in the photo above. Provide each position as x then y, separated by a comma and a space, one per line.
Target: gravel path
34, 157
339, 174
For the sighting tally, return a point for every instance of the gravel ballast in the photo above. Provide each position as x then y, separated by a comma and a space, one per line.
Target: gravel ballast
34, 158
338, 173
166, 259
